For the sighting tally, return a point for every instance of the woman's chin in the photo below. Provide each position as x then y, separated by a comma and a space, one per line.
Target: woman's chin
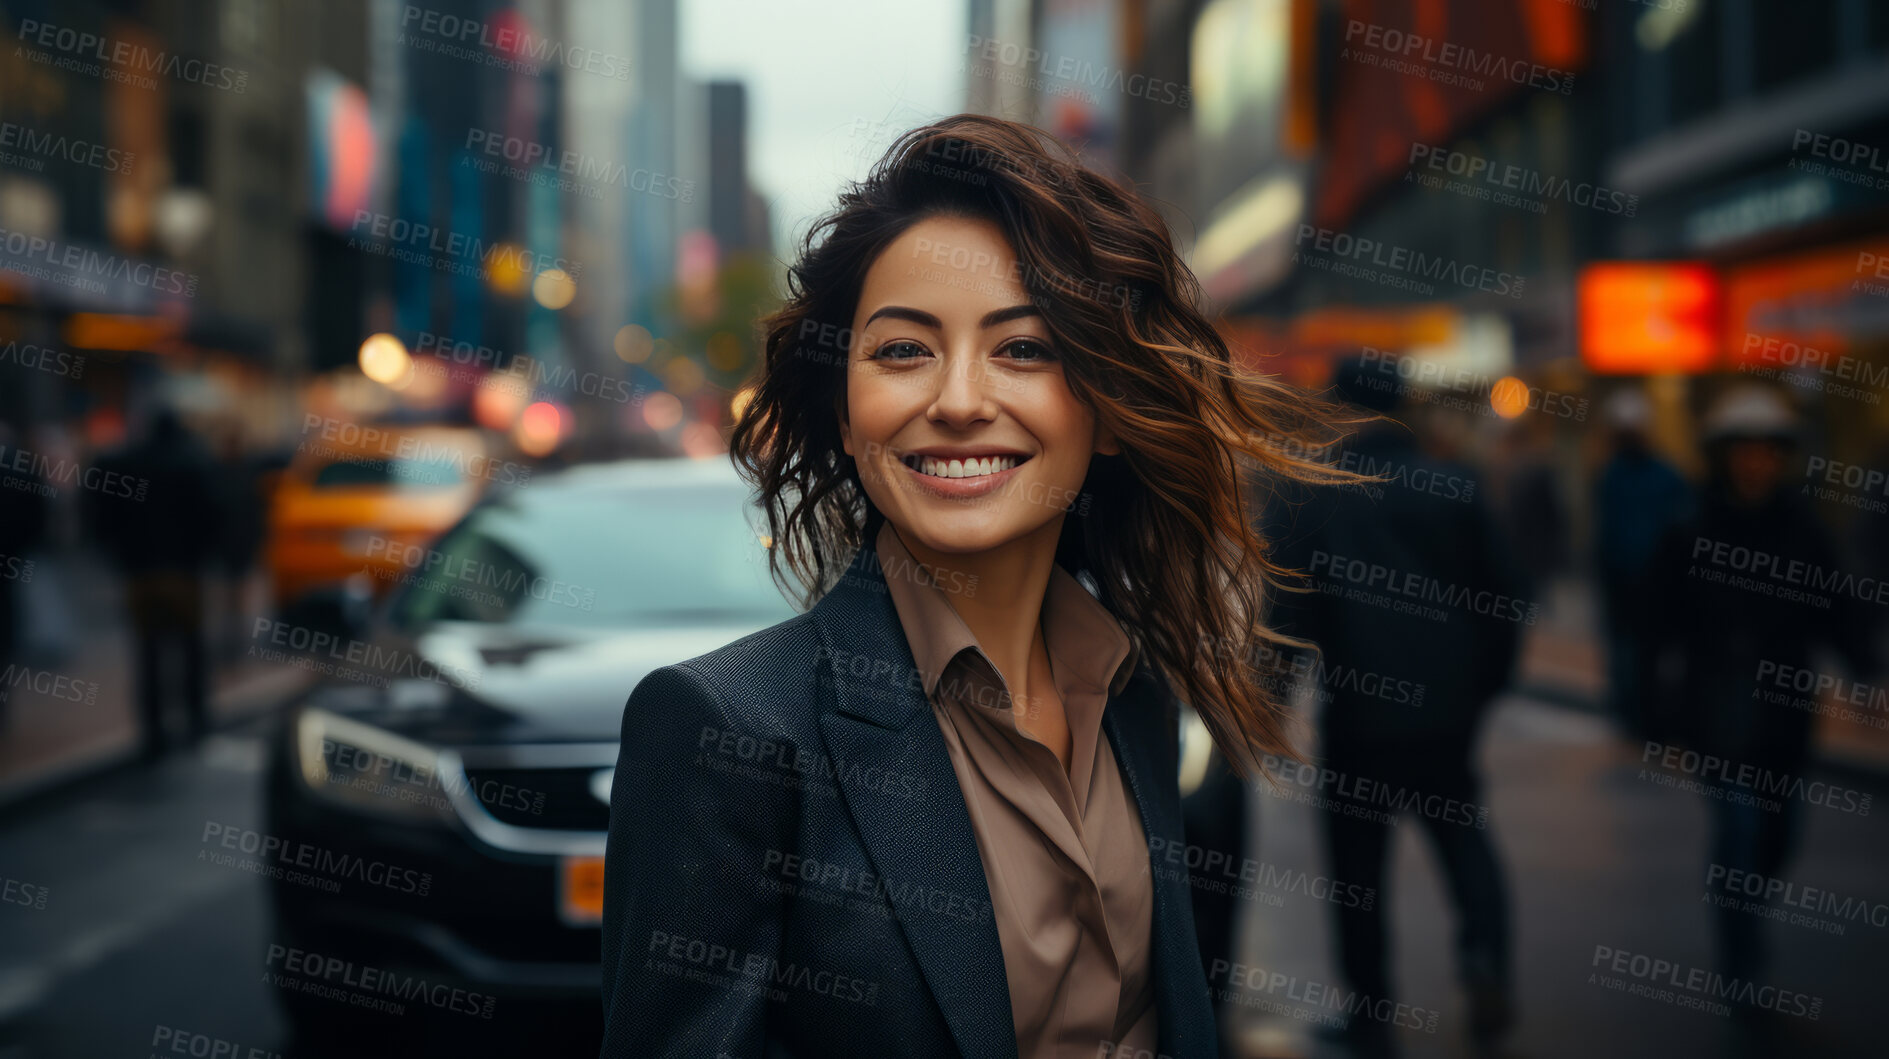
964, 532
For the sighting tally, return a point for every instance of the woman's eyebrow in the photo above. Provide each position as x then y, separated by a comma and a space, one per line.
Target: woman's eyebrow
925, 319
900, 312
1000, 316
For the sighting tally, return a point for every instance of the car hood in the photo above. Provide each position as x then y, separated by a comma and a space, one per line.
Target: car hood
476, 683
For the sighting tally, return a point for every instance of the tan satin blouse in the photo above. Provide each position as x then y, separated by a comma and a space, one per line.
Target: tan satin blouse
1064, 852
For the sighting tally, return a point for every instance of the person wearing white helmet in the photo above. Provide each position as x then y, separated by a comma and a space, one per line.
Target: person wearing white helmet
1751, 585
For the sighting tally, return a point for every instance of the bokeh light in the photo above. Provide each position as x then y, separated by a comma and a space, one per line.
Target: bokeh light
498, 402
504, 271
634, 343
554, 288
701, 440
384, 359
1508, 398
684, 376
662, 410
724, 351
540, 428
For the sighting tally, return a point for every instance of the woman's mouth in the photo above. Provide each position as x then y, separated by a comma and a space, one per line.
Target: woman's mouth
963, 477
934, 467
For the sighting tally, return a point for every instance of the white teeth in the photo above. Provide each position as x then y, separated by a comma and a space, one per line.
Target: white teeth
976, 468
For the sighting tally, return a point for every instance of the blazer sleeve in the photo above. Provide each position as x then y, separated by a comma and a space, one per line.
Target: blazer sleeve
690, 936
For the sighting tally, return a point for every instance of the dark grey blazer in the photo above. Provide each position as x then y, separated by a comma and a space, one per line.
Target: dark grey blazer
791, 869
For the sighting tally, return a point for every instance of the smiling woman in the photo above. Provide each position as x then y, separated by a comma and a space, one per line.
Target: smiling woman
1009, 461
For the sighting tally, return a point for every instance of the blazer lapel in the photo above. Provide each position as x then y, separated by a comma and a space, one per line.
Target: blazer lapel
1134, 721
876, 723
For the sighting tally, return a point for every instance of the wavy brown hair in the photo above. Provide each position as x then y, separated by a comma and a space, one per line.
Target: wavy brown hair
1169, 537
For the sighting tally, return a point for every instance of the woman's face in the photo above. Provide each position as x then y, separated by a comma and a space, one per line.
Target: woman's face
957, 413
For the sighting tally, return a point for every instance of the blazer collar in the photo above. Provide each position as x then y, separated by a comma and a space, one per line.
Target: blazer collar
1136, 724
870, 697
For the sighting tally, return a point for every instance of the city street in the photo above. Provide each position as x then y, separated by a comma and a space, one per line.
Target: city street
547, 527
138, 940
135, 937
1597, 857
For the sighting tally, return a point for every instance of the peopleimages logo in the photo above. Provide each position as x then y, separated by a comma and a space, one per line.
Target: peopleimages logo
329, 654
1506, 184
173, 1040
1356, 795
77, 262
47, 683
569, 170
42, 475
1415, 586
49, 145
1317, 998
1443, 61
363, 986
757, 971
1402, 266
24, 894
122, 61
1704, 987
513, 582
515, 39
852, 881
1217, 871
1071, 69
1802, 905
1698, 771
39, 358
1780, 575
278, 858
419, 241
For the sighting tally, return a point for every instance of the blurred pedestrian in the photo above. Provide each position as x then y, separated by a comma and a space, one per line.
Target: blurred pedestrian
23, 516
155, 508
243, 527
1405, 688
1724, 610
1637, 499
1528, 502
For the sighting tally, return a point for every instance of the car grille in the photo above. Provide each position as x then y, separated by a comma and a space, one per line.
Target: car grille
555, 799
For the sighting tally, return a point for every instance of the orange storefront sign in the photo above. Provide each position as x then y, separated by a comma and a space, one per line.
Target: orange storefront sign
1826, 301
1644, 317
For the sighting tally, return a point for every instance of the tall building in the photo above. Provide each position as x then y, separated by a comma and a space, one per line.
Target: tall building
737, 216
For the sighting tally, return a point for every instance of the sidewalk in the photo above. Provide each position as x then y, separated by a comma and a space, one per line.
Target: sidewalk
1564, 663
1597, 857
65, 717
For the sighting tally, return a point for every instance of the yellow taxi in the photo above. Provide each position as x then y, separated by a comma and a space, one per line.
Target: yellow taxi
359, 504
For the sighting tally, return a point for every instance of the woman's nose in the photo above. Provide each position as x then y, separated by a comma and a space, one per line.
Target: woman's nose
963, 393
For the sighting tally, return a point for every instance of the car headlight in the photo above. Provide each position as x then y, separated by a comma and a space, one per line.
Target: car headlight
1196, 751
370, 769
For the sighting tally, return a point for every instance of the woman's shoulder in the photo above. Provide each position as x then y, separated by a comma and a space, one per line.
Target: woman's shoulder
779, 654
762, 682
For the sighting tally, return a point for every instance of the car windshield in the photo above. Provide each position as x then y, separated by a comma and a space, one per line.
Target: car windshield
632, 558
407, 474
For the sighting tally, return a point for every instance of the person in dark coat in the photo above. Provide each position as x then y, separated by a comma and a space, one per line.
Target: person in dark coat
23, 516
1637, 500
155, 509
1745, 590
1417, 611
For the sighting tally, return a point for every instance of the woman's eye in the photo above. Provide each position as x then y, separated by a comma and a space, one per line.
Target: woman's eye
898, 351
1028, 350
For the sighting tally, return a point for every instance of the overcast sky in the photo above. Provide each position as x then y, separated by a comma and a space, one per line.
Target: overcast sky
830, 84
